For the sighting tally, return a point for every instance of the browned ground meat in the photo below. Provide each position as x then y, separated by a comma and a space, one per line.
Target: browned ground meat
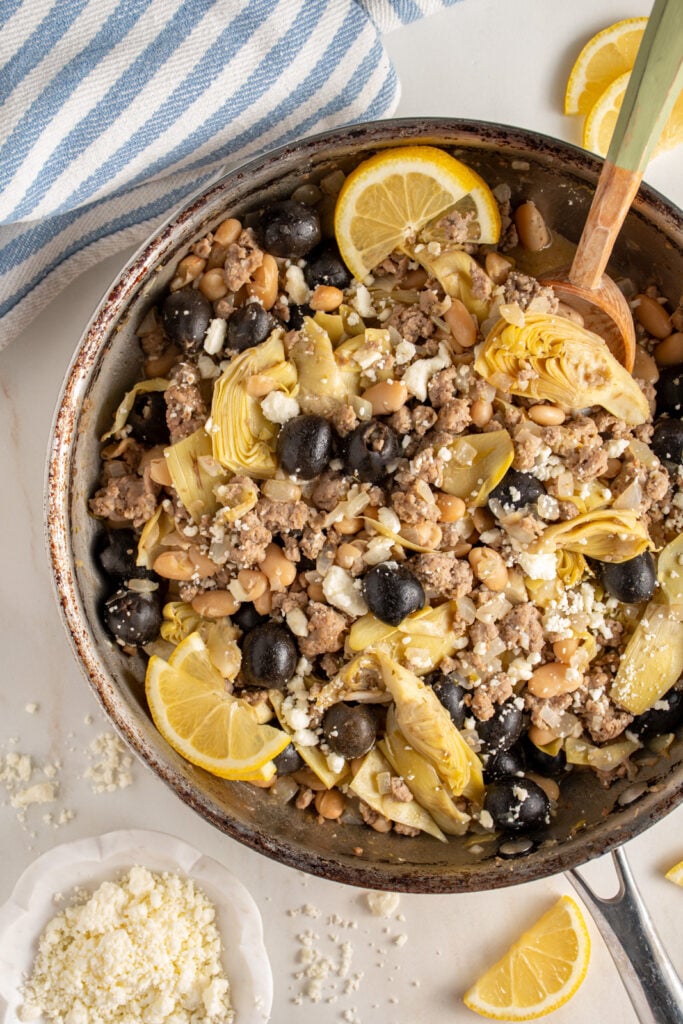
487, 694
330, 488
522, 627
441, 388
454, 415
411, 507
603, 720
242, 258
283, 516
344, 419
130, 497
185, 408
411, 323
247, 544
536, 706
326, 629
440, 572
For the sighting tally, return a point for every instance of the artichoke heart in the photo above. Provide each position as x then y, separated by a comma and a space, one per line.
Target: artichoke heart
609, 534
670, 571
428, 632
422, 780
603, 758
365, 784
571, 567
195, 473
243, 439
179, 620
429, 729
653, 659
460, 276
553, 359
312, 756
322, 385
143, 387
151, 542
359, 679
477, 464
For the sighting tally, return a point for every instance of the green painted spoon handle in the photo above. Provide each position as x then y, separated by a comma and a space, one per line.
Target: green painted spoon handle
654, 86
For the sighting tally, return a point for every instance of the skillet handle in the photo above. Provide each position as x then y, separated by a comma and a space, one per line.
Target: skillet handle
648, 975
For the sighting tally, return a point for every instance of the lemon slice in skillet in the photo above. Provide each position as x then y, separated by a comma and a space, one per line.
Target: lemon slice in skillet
390, 197
208, 726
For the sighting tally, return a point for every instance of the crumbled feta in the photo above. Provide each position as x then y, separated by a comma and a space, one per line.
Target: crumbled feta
538, 567
382, 904
405, 351
145, 948
342, 591
419, 373
279, 407
362, 302
295, 286
214, 339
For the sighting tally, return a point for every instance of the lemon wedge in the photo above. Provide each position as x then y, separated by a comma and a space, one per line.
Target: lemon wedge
599, 125
675, 874
203, 722
540, 972
390, 197
606, 56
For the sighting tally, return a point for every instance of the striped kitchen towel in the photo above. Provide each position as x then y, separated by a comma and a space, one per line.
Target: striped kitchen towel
113, 111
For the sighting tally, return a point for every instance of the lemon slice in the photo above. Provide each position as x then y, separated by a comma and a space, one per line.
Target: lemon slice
675, 874
393, 195
206, 724
192, 657
540, 972
599, 126
604, 57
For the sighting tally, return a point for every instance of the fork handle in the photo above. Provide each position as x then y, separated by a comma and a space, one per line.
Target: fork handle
654, 86
654, 988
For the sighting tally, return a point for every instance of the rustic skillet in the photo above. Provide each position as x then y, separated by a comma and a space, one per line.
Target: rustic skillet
591, 820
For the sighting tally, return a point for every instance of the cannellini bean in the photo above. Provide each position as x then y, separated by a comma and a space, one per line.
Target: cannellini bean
428, 535
329, 804
554, 678
349, 525
652, 316
451, 508
497, 267
188, 270
481, 412
461, 324
264, 603
644, 366
386, 396
531, 227
549, 786
254, 583
489, 568
348, 555
212, 284
315, 592
183, 565
541, 737
264, 283
227, 232
280, 571
326, 298
546, 415
214, 604
564, 650
161, 365
670, 351
483, 519
281, 490
415, 278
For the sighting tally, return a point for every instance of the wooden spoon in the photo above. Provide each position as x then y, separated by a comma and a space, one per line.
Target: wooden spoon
654, 86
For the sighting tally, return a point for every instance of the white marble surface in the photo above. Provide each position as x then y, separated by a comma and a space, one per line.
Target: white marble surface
499, 60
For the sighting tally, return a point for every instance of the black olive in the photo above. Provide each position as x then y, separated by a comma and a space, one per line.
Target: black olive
116, 551
296, 316
502, 730
370, 450
538, 760
631, 581
349, 730
288, 760
288, 229
305, 446
246, 617
147, 418
325, 266
667, 441
185, 316
517, 805
133, 617
669, 390
451, 694
248, 326
392, 592
665, 716
505, 763
269, 656
517, 490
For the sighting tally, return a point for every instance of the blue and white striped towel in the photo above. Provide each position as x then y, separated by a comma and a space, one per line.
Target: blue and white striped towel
113, 111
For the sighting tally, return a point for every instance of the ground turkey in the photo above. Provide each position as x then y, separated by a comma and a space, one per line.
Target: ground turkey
440, 572
247, 543
185, 408
522, 627
282, 516
242, 258
411, 507
411, 323
129, 497
326, 629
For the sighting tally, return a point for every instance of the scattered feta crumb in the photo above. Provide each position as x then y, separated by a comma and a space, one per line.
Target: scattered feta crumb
382, 904
279, 407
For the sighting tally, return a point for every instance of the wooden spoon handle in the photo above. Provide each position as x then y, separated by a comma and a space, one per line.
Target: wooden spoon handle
654, 86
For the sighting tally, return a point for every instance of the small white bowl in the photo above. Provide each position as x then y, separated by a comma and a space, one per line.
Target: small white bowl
87, 863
